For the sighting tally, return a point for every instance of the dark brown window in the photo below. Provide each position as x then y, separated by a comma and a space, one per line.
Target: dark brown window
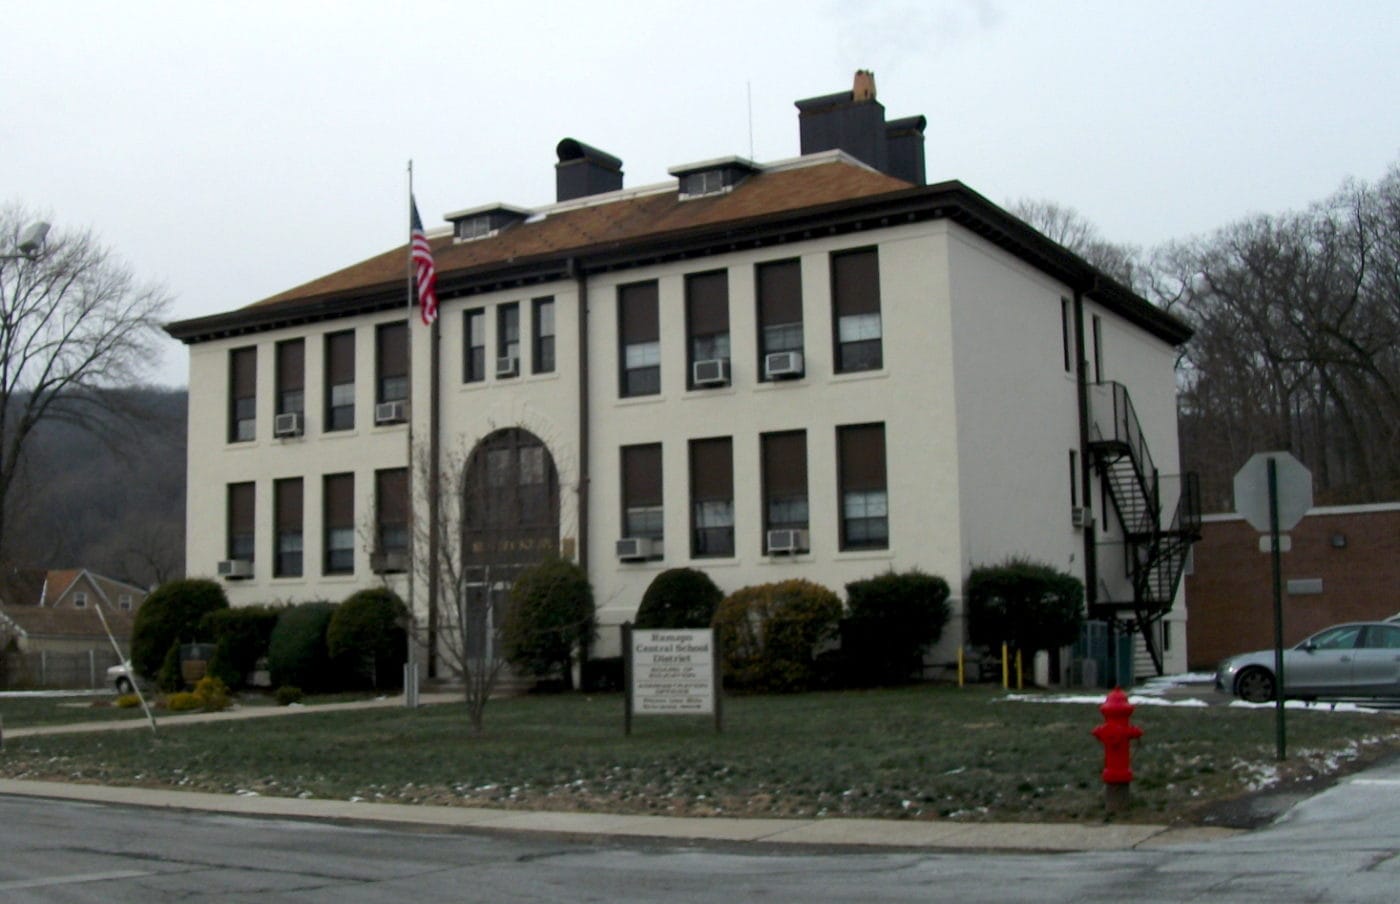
391, 362
543, 324
1098, 349
340, 381
291, 377
1067, 334
784, 482
642, 514
855, 298
474, 345
640, 331
243, 395
508, 338
712, 497
286, 560
707, 325
391, 510
779, 287
864, 497
338, 498
240, 521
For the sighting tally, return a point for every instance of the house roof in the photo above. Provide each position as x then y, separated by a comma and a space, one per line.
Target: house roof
46, 621
825, 193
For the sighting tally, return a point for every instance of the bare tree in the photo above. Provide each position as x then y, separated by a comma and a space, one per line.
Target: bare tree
1070, 228
73, 324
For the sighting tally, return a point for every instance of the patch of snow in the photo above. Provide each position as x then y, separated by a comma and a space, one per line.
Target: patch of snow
1134, 699
243, 792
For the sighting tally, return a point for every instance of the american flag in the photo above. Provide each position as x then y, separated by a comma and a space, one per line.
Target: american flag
423, 270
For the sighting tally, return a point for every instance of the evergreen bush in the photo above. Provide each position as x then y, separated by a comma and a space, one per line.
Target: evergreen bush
297, 653
893, 618
172, 614
1026, 605
679, 598
241, 636
551, 615
770, 634
368, 640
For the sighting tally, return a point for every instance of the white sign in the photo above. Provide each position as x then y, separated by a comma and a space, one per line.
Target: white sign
1294, 487
673, 672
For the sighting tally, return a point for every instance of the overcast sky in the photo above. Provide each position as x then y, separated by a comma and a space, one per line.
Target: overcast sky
233, 150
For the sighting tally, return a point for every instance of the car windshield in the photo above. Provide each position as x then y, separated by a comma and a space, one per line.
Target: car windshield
1339, 638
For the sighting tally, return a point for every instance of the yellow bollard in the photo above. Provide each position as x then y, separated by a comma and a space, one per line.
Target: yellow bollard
1005, 670
1020, 683
961, 675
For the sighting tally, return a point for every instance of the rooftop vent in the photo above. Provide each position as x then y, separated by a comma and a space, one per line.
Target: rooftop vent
854, 121
583, 171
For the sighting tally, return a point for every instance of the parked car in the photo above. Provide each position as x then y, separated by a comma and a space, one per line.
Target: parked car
1360, 659
122, 678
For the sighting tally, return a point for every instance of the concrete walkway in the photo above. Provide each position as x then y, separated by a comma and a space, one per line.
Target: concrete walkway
828, 832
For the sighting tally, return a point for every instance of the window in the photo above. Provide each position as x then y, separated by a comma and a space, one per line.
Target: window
508, 336
286, 501
855, 298
712, 497
474, 345
240, 521
1073, 478
338, 499
784, 482
1067, 333
340, 381
80, 600
391, 510
543, 324
864, 499
1098, 349
124, 602
640, 332
243, 395
291, 377
641, 492
706, 320
779, 310
391, 362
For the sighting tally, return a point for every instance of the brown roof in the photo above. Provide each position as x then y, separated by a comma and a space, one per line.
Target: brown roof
43, 621
600, 225
58, 583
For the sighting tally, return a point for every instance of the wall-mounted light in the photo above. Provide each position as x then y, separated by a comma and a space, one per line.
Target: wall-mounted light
1339, 541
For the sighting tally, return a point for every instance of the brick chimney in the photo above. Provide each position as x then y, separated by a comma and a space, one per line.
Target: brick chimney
854, 121
583, 171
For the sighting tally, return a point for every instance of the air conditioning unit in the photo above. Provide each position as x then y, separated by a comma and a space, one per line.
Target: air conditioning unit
714, 372
388, 562
235, 569
637, 549
786, 542
782, 365
1081, 516
391, 412
508, 366
288, 424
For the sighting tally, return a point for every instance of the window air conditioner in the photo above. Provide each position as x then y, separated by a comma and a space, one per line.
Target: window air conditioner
391, 412
388, 562
637, 549
782, 365
786, 542
235, 569
288, 424
714, 372
1081, 516
509, 366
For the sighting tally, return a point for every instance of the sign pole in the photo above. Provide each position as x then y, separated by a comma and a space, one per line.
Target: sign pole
627, 679
1276, 555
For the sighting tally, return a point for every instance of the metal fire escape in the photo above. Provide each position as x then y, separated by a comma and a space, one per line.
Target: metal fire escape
1156, 546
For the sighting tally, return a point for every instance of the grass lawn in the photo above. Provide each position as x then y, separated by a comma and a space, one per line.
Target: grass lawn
34, 711
924, 753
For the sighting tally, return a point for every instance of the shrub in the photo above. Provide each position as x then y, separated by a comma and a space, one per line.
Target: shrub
183, 702
551, 614
169, 678
893, 618
770, 634
212, 694
241, 637
602, 674
367, 639
679, 598
288, 694
127, 701
1026, 605
171, 614
296, 652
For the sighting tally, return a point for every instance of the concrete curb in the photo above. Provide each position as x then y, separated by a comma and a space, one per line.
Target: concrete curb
826, 833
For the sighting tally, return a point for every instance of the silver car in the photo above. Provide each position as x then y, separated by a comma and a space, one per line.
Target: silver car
1361, 659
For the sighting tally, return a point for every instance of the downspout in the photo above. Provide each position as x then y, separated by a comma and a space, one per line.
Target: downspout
1086, 469
581, 280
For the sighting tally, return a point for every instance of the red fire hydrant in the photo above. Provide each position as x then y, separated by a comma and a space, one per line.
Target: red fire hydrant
1115, 734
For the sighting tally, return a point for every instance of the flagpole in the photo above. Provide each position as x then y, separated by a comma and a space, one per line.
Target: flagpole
410, 688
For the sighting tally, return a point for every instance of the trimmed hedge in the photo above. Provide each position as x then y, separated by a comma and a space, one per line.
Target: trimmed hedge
297, 653
241, 637
551, 615
367, 640
893, 618
679, 598
770, 634
1024, 604
172, 614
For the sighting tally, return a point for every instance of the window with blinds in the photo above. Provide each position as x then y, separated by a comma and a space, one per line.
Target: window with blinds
243, 394
784, 481
240, 521
291, 376
542, 357
474, 346
639, 333
707, 324
642, 512
287, 544
855, 300
712, 497
391, 362
338, 517
779, 290
864, 496
391, 510
340, 380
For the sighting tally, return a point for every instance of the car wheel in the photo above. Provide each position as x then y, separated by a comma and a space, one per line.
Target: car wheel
1255, 685
123, 685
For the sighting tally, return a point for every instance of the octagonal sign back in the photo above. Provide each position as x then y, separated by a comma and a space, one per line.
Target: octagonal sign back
1295, 490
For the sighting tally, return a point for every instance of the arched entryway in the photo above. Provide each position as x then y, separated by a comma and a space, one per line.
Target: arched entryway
510, 521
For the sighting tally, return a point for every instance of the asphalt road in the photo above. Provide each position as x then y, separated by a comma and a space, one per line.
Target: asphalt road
1341, 846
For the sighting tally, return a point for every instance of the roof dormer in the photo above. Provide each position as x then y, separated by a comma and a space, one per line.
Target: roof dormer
712, 177
484, 222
